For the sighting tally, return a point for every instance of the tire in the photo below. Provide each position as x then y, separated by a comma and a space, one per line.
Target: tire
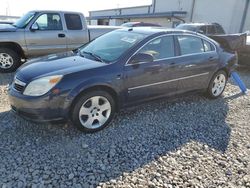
9, 60
93, 111
217, 84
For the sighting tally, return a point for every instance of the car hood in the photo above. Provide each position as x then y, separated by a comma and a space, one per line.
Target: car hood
7, 28
57, 64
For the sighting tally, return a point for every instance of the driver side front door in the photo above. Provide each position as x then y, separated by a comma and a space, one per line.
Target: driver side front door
153, 79
49, 38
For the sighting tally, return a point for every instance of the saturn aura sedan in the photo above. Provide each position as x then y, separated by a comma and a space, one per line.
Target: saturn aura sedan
120, 69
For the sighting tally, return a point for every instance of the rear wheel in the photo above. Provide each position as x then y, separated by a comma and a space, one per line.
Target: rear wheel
217, 84
93, 111
9, 60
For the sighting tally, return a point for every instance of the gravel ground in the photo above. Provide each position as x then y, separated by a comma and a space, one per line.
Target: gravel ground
186, 142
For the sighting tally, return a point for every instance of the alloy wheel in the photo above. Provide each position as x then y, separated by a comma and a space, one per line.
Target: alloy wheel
95, 112
6, 61
219, 85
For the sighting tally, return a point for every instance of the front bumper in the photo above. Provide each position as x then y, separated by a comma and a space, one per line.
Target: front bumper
42, 109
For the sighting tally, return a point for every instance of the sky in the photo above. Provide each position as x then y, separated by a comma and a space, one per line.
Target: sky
20, 7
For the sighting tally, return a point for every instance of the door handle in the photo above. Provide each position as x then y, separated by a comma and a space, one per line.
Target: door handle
61, 35
211, 58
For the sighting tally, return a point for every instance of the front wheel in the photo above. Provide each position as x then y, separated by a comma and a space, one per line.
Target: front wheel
93, 111
217, 84
9, 60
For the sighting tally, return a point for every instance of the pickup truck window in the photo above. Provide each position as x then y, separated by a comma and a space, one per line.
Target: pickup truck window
24, 20
73, 21
49, 21
211, 29
203, 29
219, 30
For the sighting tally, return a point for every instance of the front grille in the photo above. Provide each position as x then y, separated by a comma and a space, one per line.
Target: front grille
19, 85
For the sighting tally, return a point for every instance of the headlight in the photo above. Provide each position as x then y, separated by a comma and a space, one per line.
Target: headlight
42, 85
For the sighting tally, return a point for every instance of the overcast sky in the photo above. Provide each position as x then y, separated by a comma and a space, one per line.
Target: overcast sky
20, 7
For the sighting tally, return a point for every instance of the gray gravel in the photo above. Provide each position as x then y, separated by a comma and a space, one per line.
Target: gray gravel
186, 142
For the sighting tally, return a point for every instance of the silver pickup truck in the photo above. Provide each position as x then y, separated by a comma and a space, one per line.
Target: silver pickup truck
40, 33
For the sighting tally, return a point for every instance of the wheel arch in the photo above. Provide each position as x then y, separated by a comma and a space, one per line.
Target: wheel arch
105, 88
13, 46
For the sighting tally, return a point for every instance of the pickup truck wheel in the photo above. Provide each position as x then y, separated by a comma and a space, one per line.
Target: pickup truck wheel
217, 84
9, 60
93, 111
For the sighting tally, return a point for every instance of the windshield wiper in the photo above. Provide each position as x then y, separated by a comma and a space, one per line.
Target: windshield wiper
97, 57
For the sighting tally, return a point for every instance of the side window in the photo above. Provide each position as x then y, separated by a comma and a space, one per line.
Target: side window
73, 21
203, 29
160, 48
207, 46
211, 29
219, 29
190, 45
49, 21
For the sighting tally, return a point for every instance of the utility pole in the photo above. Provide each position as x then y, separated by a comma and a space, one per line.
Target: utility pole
243, 20
192, 11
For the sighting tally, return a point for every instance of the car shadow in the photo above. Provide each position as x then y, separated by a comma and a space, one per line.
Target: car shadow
244, 75
134, 139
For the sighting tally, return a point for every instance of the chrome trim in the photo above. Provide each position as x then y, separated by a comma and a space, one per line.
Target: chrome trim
19, 82
185, 34
164, 82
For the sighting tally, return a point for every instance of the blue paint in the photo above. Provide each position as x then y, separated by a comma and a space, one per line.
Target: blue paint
239, 82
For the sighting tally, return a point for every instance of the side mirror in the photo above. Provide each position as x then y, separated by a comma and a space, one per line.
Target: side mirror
141, 57
34, 27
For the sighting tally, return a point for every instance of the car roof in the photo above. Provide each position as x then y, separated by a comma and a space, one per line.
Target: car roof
155, 30
199, 24
56, 11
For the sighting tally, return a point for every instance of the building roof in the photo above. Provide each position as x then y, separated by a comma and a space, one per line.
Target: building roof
148, 15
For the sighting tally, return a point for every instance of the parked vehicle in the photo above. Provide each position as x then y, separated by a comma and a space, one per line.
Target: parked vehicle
244, 54
41, 33
117, 70
215, 31
140, 24
203, 28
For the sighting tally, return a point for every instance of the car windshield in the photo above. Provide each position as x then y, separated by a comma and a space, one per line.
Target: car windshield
109, 47
187, 27
24, 20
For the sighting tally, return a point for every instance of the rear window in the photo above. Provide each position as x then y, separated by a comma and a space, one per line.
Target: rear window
211, 29
73, 22
219, 30
207, 46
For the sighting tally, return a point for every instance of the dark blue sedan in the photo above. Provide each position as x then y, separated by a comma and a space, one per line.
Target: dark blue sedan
118, 70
